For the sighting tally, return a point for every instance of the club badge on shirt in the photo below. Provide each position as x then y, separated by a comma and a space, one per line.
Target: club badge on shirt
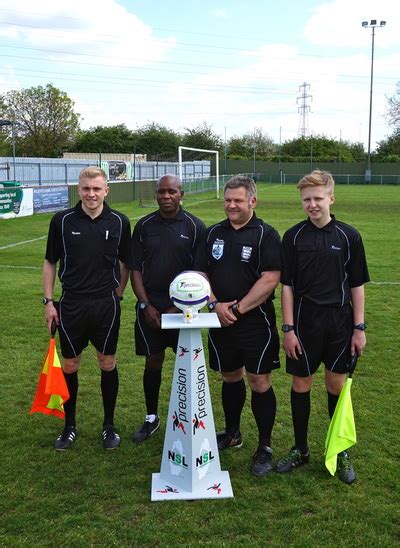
218, 249
246, 253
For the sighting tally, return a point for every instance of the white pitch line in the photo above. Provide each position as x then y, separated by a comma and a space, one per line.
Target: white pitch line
21, 267
40, 268
22, 243
385, 283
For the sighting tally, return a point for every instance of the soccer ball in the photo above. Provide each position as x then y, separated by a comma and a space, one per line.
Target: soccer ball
189, 290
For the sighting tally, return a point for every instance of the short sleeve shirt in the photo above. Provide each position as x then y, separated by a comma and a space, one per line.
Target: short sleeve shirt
163, 248
323, 264
89, 250
234, 259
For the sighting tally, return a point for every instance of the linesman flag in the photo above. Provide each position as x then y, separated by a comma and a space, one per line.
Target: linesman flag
342, 429
52, 391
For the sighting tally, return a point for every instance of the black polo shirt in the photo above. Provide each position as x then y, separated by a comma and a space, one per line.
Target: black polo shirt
322, 264
88, 249
163, 248
234, 259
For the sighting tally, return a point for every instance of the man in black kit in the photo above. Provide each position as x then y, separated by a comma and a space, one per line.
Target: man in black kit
163, 246
92, 244
323, 275
241, 257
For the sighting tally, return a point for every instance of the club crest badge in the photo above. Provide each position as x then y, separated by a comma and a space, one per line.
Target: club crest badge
218, 249
246, 252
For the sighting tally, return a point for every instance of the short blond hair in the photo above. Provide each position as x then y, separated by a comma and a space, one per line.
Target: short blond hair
91, 172
317, 178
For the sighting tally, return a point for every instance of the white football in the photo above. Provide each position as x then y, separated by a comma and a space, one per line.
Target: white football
189, 290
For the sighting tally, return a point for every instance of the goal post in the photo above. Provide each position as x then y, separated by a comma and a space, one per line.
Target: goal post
180, 163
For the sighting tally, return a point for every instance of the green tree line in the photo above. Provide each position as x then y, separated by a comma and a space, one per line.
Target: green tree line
41, 121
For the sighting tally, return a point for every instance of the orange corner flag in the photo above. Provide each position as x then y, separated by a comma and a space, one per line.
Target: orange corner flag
52, 391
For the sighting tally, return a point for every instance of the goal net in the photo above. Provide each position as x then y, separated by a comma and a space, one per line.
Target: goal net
193, 180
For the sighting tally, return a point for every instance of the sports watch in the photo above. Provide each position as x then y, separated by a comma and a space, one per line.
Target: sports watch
143, 305
235, 310
211, 306
360, 326
45, 300
287, 327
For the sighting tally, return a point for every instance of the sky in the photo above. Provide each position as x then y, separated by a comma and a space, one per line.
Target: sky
233, 64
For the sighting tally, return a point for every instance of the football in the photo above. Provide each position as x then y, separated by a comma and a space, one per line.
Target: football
189, 290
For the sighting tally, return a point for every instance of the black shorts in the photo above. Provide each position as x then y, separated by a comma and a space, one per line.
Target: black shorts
149, 341
325, 335
251, 342
84, 319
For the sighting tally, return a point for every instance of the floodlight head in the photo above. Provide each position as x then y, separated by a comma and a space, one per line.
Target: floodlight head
364, 23
373, 22
382, 23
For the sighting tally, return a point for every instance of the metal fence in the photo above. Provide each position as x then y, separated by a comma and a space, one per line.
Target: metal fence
45, 171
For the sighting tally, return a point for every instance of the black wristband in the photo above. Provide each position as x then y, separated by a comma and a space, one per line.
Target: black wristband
235, 310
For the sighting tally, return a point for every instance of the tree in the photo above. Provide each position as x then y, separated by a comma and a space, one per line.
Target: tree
45, 120
105, 139
201, 136
157, 141
256, 142
321, 148
393, 108
388, 150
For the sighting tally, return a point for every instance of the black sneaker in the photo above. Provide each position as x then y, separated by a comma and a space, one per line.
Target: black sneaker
226, 440
346, 471
111, 439
262, 461
294, 459
65, 439
147, 429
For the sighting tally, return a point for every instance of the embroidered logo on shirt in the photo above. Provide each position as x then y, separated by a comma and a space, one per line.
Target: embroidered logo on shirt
183, 236
75, 233
218, 249
246, 252
337, 248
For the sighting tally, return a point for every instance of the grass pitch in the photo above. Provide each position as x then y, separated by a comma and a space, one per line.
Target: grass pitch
91, 497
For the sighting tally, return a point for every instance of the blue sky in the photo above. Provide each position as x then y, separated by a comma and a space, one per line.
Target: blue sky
236, 65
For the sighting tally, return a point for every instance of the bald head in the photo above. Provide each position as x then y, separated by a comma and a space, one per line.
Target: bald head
169, 194
169, 179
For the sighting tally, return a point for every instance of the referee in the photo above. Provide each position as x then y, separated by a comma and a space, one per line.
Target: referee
163, 245
91, 243
241, 257
323, 274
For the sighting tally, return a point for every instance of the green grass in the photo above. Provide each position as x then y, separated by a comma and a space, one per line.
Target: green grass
89, 497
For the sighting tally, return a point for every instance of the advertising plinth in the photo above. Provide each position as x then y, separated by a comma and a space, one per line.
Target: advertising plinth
190, 466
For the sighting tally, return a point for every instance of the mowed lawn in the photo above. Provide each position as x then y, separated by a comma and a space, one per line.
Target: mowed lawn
87, 496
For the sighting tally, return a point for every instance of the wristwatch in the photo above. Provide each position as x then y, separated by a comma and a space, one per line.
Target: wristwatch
235, 310
143, 305
45, 300
286, 327
211, 306
360, 326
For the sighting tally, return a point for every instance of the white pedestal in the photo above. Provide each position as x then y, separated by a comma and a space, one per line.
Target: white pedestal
190, 466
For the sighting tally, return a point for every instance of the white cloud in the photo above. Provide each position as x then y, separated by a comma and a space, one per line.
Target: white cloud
99, 32
338, 23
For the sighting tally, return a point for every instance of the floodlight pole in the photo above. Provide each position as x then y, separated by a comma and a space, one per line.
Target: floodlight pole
373, 24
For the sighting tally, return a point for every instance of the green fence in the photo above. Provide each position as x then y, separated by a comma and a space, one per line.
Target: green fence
290, 172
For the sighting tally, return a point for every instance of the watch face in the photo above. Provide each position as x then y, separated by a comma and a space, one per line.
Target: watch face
286, 328
143, 306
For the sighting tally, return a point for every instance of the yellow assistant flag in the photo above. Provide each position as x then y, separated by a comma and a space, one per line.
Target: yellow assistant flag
52, 391
342, 429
